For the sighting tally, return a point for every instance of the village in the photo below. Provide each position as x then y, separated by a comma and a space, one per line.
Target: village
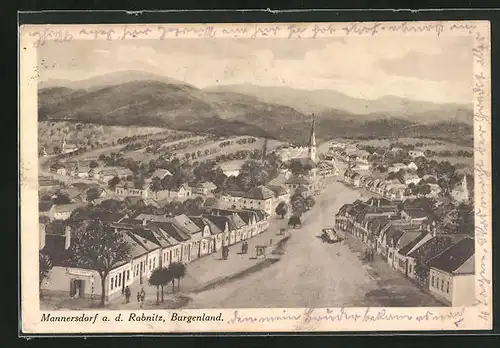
156, 222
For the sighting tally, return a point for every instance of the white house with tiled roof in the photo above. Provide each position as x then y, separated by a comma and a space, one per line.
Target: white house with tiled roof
452, 274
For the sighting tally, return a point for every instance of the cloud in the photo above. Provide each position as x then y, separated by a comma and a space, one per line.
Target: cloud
433, 69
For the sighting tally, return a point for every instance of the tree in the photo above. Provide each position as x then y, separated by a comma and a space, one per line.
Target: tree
310, 201
282, 209
93, 164
100, 248
92, 194
294, 221
155, 279
178, 271
139, 182
113, 182
298, 203
298, 168
166, 277
45, 265
156, 186
57, 150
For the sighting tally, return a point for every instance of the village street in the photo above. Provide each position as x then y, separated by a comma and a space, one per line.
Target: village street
314, 274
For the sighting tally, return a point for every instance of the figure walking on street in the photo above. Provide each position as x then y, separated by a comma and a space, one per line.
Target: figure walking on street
127, 294
138, 297
143, 296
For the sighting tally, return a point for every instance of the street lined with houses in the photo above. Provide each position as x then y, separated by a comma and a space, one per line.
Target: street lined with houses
253, 236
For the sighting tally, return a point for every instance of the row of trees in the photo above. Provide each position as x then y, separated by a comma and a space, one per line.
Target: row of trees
162, 276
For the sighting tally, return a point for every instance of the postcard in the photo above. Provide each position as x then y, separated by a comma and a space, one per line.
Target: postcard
255, 177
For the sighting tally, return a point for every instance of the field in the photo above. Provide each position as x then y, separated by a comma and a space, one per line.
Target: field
50, 134
200, 148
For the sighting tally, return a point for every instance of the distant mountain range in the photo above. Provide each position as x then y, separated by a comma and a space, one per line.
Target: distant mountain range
136, 98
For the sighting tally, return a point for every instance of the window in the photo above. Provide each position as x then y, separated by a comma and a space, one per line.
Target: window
112, 280
447, 287
128, 275
154, 262
442, 284
432, 281
119, 279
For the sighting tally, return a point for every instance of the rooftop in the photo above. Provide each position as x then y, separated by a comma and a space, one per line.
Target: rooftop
260, 192
454, 257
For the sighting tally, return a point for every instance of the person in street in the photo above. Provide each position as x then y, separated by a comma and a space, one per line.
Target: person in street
138, 297
127, 294
143, 296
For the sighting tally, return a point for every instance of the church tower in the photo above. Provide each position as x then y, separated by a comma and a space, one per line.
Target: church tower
63, 144
465, 188
312, 141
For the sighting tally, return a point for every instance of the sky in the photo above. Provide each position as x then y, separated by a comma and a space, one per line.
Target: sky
436, 69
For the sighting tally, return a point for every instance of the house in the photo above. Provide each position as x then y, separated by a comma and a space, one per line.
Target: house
207, 238
222, 224
397, 150
69, 279
171, 253
259, 197
129, 189
429, 178
182, 253
161, 174
419, 257
396, 167
296, 181
361, 167
249, 217
415, 153
192, 230
281, 193
399, 242
48, 183
58, 169
402, 263
181, 191
231, 168
452, 274
262, 220
435, 190
416, 215
64, 211
237, 227
81, 171
411, 178
204, 188
106, 174
412, 166
123, 173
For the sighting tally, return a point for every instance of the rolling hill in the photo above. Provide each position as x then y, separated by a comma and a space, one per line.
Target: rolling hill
163, 102
308, 101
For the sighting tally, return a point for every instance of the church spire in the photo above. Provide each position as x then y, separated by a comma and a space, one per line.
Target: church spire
312, 140
465, 188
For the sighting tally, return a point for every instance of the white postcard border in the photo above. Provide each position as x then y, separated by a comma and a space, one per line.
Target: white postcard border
477, 317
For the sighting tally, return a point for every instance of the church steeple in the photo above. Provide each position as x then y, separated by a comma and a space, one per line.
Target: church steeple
312, 140
465, 188
63, 143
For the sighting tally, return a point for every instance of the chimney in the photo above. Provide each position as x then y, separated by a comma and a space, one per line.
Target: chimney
42, 236
67, 237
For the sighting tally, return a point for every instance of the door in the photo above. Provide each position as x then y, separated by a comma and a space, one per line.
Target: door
140, 272
77, 288
123, 282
